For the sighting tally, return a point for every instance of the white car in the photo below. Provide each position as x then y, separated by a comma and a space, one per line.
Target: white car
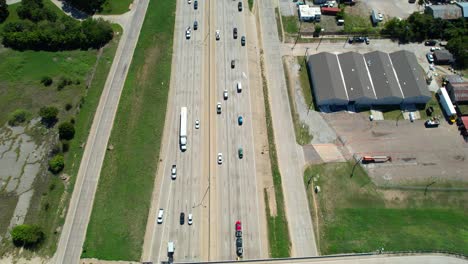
220, 158
174, 172
380, 17
435, 48
197, 124
217, 34
190, 219
189, 1
218, 108
188, 32
225, 94
160, 215
430, 58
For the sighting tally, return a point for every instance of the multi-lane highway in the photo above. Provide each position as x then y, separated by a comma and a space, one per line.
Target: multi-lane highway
217, 195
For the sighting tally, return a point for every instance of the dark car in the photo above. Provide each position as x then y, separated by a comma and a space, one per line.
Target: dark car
234, 33
239, 242
233, 64
195, 25
240, 152
430, 42
182, 218
240, 251
367, 40
195, 4
239, 6
359, 39
243, 41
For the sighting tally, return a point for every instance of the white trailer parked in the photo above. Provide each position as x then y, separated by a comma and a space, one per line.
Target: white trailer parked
447, 104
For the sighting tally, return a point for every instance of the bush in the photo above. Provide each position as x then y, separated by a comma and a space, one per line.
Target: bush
65, 146
27, 235
64, 81
17, 117
48, 115
46, 81
56, 164
66, 131
35, 11
68, 106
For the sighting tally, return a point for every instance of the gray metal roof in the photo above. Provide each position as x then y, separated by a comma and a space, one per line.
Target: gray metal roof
356, 76
464, 7
382, 74
409, 73
326, 75
443, 55
445, 11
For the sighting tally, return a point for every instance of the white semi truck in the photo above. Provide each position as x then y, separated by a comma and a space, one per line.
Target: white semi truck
183, 128
447, 104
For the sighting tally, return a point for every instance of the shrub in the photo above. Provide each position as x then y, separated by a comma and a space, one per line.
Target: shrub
3, 11
27, 235
56, 164
17, 117
66, 131
65, 146
48, 115
64, 81
46, 81
68, 106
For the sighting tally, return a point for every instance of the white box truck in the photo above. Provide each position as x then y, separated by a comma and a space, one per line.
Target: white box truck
183, 128
447, 104
170, 251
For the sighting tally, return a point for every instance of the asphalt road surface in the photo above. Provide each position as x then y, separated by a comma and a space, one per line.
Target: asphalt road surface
74, 230
216, 195
290, 157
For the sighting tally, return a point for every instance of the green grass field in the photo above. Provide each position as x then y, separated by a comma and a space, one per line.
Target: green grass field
290, 24
123, 198
305, 83
356, 216
116, 7
278, 233
20, 87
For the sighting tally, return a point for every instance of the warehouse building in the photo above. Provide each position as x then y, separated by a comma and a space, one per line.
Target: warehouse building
410, 77
376, 78
447, 12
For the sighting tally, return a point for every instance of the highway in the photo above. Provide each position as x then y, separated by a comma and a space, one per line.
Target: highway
79, 211
216, 194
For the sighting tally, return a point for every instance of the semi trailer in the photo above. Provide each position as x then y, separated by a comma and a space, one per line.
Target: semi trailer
447, 105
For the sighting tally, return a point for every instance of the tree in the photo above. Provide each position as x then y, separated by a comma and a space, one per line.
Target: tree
35, 10
97, 32
3, 11
317, 30
56, 164
17, 117
48, 115
27, 235
66, 131
459, 48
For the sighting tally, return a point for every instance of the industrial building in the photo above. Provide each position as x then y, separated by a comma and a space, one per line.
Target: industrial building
464, 8
447, 12
309, 13
366, 80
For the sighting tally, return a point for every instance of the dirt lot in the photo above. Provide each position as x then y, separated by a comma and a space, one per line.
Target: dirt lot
420, 155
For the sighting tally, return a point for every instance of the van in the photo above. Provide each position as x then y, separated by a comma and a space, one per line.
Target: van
239, 87
160, 215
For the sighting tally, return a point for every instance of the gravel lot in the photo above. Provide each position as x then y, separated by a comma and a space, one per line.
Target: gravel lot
391, 8
419, 154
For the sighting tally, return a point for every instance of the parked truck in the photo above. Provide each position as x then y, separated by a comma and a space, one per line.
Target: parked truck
447, 105
183, 128
330, 10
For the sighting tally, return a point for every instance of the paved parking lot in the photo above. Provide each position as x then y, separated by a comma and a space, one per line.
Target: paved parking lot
391, 8
418, 154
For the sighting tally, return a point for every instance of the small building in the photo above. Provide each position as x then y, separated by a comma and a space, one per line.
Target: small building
327, 80
443, 57
458, 92
448, 12
410, 75
383, 77
464, 8
309, 13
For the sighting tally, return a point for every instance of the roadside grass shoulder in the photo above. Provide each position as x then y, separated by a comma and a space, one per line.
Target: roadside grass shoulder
305, 83
118, 220
116, 7
251, 3
301, 129
278, 24
356, 216
290, 24
278, 232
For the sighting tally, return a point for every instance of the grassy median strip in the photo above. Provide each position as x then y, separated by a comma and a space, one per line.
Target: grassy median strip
278, 233
357, 216
118, 221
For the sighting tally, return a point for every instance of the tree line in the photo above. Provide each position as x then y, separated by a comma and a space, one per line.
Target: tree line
419, 27
41, 29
